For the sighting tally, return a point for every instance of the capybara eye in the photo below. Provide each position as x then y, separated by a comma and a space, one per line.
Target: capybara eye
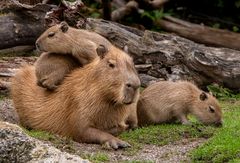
111, 65
51, 34
211, 109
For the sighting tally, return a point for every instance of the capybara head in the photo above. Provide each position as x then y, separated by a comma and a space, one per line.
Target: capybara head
54, 39
121, 82
208, 110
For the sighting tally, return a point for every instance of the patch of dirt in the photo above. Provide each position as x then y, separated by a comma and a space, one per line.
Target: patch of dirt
177, 152
172, 153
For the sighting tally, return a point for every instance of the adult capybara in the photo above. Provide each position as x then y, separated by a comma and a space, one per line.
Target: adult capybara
168, 101
90, 105
64, 40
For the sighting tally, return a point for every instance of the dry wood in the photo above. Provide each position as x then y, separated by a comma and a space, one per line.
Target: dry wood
124, 11
173, 57
201, 34
157, 56
22, 24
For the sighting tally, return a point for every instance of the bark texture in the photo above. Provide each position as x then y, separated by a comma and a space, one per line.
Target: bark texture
171, 57
21, 24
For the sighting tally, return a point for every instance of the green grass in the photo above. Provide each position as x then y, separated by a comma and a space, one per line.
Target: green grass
164, 134
224, 146
167, 133
43, 135
62, 143
96, 157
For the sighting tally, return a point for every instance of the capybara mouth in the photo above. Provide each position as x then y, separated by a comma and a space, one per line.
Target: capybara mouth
129, 95
39, 48
127, 102
128, 99
218, 124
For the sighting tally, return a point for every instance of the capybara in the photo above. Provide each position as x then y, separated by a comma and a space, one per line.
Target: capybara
51, 68
64, 40
91, 105
167, 101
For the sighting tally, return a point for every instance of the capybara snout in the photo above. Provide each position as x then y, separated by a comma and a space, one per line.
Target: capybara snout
131, 89
131, 86
121, 74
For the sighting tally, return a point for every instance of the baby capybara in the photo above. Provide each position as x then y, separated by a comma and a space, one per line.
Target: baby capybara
168, 101
65, 48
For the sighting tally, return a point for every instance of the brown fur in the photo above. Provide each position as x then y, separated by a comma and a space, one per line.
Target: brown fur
90, 105
51, 68
168, 101
64, 40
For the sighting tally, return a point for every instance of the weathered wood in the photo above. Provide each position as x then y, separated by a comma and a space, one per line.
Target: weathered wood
22, 25
172, 57
200, 33
124, 11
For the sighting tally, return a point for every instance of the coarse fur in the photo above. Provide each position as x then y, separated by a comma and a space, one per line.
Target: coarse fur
167, 101
60, 40
51, 68
90, 105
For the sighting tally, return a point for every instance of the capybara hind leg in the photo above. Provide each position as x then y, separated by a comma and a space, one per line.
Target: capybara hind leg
93, 135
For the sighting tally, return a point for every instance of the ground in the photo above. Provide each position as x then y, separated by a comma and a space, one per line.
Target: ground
159, 143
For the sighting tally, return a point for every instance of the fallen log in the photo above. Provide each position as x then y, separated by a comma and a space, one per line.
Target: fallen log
201, 34
164, 56
21, 24
172, 57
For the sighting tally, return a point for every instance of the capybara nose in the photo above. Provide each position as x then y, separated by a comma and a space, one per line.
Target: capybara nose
219, 124
133, 86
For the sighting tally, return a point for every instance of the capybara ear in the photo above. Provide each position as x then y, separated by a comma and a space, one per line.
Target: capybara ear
64, 26
101, 51
203, 96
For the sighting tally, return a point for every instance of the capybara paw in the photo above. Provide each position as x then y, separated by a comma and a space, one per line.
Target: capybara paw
39, 83
131, 125
45, 83
187, 123
116, 144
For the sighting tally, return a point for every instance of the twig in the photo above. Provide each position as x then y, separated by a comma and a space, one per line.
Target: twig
120, 13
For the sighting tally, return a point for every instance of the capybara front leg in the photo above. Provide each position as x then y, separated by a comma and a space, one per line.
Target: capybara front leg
183, 119
93, 135
118, 129
132, 120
